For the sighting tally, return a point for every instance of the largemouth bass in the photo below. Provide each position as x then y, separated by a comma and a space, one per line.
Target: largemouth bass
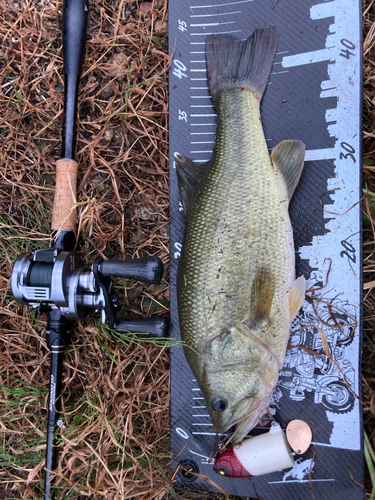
237, 292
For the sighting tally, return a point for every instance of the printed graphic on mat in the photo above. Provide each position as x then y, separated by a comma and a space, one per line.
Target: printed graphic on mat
324, 323
330, 378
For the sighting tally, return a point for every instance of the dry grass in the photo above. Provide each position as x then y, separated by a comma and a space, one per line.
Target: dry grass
116, 394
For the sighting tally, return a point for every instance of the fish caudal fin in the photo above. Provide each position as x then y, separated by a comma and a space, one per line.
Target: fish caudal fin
288, 157
240, 63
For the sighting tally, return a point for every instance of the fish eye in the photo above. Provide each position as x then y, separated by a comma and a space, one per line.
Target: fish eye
218, 403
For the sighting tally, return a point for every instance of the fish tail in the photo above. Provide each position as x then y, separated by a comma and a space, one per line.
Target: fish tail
233, 63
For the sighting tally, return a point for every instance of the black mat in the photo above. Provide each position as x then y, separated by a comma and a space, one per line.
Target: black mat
314, 97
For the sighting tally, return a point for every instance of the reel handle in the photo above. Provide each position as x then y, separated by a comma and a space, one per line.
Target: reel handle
147, 270
156, 326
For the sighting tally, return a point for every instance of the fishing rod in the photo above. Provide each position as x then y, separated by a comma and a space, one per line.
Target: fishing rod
54, 280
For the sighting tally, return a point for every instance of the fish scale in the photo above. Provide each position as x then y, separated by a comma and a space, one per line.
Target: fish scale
229, 227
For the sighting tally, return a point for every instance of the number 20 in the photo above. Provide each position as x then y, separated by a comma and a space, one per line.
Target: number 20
349, 251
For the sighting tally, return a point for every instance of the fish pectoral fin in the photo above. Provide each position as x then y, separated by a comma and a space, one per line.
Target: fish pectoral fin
288, 157
262, 293
189, 174
296, 296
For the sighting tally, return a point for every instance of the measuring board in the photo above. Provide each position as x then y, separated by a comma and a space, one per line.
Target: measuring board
314, 95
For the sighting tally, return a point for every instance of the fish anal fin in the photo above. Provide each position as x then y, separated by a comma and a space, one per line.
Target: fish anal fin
288, 157
189, 174
262, 293
296, 296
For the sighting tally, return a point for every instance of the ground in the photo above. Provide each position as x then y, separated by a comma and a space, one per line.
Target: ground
115, 440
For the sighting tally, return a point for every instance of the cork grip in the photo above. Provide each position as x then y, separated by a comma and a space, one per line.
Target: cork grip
65, 195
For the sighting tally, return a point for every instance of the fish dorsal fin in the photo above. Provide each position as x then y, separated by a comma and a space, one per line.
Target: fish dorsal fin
288, 157
262, 293
189, 175
297, 296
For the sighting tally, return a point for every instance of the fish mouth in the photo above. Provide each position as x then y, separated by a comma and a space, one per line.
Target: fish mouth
259, 407
245, 415
234, 419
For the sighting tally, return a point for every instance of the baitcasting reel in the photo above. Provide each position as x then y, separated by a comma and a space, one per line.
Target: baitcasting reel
52, 279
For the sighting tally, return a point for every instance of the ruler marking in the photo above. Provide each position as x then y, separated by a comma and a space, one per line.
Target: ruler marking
325, 444
217, 33
203, 133
320, 154
308, 57
220, 4
298, 480
218, 14
211, 24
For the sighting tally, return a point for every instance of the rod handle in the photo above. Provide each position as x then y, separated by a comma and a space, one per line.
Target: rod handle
63, 215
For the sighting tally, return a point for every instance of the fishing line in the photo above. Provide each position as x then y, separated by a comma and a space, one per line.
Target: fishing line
40, 274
